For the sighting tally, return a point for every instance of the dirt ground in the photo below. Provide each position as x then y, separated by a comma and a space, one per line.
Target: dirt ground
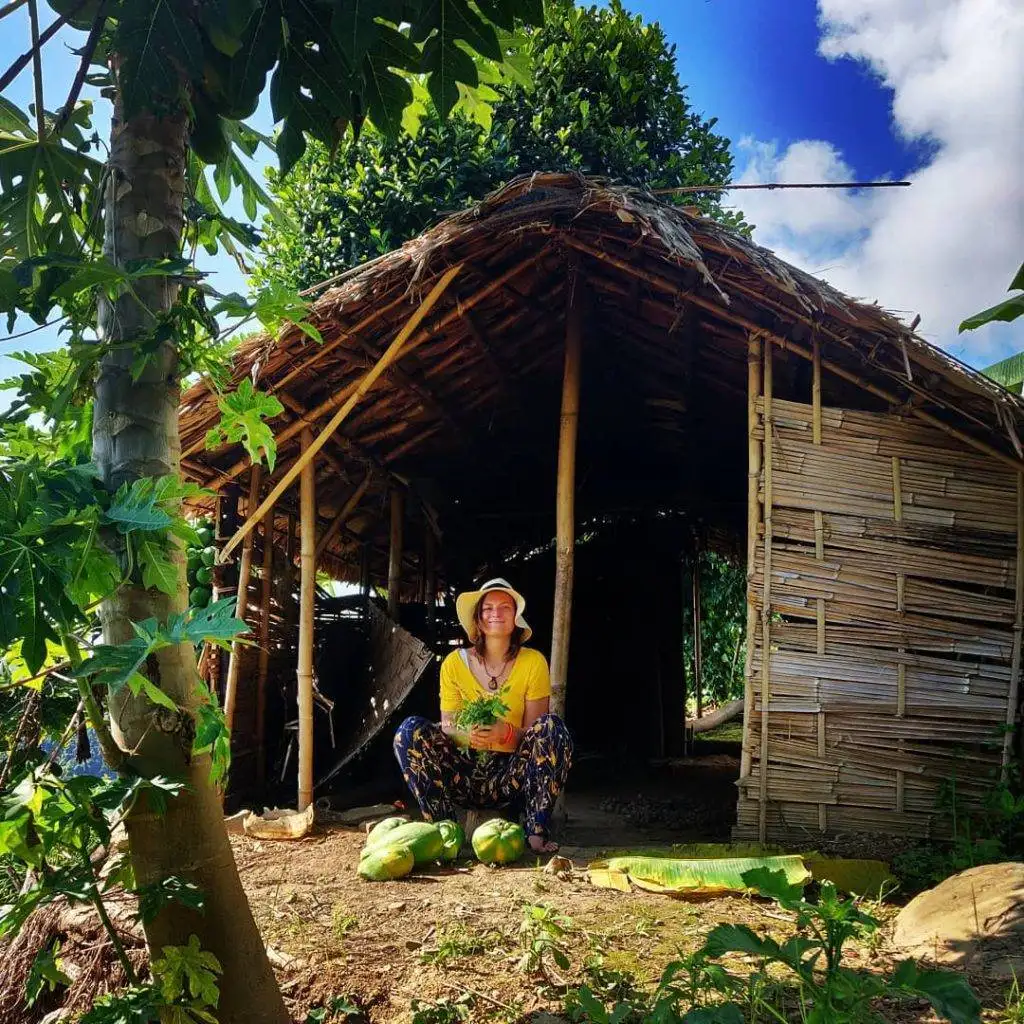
453, 932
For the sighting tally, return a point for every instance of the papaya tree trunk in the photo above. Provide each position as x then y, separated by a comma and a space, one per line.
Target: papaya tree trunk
135, 434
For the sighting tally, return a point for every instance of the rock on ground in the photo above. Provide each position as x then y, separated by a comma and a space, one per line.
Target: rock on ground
973, 920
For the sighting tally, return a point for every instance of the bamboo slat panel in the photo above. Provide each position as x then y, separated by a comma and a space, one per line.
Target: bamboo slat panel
893, 572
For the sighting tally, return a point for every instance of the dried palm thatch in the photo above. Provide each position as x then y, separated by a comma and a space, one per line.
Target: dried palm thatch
881, 500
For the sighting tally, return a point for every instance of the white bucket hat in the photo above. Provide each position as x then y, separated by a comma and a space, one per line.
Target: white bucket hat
465, 606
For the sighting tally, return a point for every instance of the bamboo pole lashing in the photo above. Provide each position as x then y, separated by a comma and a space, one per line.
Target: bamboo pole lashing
307, 596
741, 321
565, 496
393, 351
1013, 698
263, 665
766, 600
754, 452
395, 554
242, 602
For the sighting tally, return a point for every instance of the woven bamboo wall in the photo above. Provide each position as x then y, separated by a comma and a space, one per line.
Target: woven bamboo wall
889, 601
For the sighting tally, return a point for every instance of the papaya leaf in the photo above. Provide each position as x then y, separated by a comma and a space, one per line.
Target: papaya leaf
738, 938
158, 569
135, 507
189, 970
949, 993
242, 415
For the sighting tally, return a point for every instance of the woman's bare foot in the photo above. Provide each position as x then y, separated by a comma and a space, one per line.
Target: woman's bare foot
541, 845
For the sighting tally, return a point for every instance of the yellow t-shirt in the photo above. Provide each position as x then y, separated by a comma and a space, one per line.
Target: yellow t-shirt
528, 680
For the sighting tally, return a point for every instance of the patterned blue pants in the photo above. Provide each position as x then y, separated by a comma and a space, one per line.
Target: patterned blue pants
443, 776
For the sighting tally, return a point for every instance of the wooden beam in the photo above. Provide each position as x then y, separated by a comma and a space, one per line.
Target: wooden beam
307, 595
395, 554
242, 603
565, 524
390, 355
264, 641
346, 510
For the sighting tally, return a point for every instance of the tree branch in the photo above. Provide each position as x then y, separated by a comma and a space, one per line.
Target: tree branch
11, 8
83, 69
45, 36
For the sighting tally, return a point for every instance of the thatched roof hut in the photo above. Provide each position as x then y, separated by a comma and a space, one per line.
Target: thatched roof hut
873, 481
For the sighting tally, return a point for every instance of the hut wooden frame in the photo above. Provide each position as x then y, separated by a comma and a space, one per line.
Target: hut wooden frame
883, 515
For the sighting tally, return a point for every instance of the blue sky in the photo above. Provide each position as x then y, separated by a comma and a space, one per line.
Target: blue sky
837, 90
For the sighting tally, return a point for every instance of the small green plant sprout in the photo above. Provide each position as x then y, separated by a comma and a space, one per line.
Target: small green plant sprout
337, 1008
342, 922
453, 942
482, 711
45, 973
542, 936
827, 990
1013, 1005
444, 1011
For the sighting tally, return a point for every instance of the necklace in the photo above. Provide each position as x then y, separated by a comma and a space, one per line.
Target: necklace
493, 678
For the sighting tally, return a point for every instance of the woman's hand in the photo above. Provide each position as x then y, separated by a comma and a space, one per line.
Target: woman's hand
499, 736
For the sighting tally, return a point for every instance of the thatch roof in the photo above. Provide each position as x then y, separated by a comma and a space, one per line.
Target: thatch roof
467, 419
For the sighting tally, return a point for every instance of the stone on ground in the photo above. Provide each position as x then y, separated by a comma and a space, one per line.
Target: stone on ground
974, 921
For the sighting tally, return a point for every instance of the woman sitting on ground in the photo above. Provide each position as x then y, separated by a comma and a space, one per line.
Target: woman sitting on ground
530, 748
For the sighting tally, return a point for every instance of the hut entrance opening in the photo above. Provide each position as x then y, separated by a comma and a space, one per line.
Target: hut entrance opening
869, 483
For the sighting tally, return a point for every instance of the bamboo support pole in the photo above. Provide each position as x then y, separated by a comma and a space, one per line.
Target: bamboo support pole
754, 449
819, 549
766, 600
1018, 623
565, 499
242, 603
392, 352
395, 554
698, 661
663, 284
307, 593
264, 640
344, 513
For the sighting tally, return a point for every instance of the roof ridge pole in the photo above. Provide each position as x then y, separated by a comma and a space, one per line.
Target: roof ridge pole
565, 497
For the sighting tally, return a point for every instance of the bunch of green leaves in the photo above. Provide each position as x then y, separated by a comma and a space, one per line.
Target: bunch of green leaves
594, 90
442, 1011
828, 992
542, 937
482, 711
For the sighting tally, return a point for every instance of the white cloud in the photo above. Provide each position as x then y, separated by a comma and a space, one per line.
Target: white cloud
948, 245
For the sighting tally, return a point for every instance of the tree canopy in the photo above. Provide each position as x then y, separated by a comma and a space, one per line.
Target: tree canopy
603, 97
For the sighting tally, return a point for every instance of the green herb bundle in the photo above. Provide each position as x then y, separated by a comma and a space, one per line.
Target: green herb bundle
482, 711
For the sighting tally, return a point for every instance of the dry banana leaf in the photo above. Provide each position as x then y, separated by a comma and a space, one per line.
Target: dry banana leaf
691, 877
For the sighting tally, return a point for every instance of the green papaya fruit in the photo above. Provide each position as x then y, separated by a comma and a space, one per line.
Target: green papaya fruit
204, 575
422, 837
454, 836
205, 536
499, 842
386, 862
199, 597
208, 556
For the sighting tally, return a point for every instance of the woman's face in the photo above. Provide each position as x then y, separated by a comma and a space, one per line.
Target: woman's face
497, 614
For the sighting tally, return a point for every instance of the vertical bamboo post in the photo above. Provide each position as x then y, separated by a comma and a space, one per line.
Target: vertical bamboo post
264, 655
901, 667
364, 572
1018, 615
395, 554
698, 661
565, 498
766, 597
307, 582
754, 449
242, 604
819, 551
429, 577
